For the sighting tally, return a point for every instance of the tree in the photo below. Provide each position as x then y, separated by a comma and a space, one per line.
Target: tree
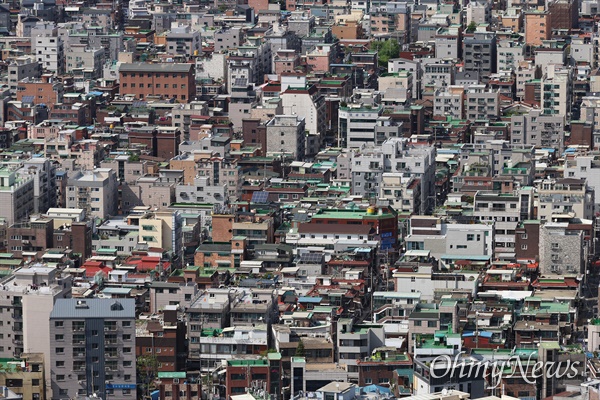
147, 369
386, 50
300, 349
472, 26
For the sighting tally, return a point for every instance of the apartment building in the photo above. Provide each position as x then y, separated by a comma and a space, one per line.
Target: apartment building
479, 53
567, 196
16, 195
561, 249
21, 68
162, 336
356, 125
449, 102
165, 80
482, 104
43, 171
537, 27
94, 191
93, 348
183, 40
28, 297
50, 53
556, 91
538, 129
586, 167
286, 135
396, 155
510, 55
355, 342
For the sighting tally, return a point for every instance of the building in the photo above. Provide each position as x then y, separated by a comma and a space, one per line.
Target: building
357, 125
21, 68
565, 197
286, 136
93, 191
50, 53
537, 27
561, 249
93, 340
479, 53
162, 336
167, 81
538, 129
482, 104
16, 195
556, 91
28, 297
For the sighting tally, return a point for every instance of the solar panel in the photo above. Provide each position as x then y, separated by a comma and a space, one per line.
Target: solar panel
138, 104
260, 197
27, 99
311, 258
240, 82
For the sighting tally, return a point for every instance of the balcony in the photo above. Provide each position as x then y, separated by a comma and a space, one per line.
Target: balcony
110, 328
110, 341
78, 355
17, 316
17, 342
112, 355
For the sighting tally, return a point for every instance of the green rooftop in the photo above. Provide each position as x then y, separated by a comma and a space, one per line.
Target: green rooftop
247, 363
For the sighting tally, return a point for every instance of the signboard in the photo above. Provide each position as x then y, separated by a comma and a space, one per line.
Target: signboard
120, 386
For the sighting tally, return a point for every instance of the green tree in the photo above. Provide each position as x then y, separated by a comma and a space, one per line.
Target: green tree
300, 349
386, 50
147, 370
472, 26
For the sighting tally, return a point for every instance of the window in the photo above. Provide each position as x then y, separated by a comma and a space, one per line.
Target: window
60, 377
59, 350
59, 337
60, 364
470, 237
58, 324
431, 324
523, 247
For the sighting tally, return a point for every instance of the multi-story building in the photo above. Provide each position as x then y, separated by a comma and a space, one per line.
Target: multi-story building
183, 40
162, 336
21, 68
538, 129
286, 136
585, 166
510, 55
44, 177
94, 191
567, 196
93, 341
556, 91
396, 155
50, 53
537, 27
482, 104
479, 53
167, 80
355, 342
357, 125
307, 102
561, 249
28, 297
16, 195
449, 102
447, 42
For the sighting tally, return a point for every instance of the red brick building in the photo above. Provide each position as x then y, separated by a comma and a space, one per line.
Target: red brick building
167, 80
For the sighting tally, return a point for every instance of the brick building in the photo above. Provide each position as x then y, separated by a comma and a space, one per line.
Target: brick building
168, 80
163, 337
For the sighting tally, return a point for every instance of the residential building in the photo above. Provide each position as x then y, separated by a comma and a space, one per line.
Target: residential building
482, 104
16, 195
50, 53
479, 53
94, 191
94, 341
166, 80
286, 136
561, 249
538, 27
556, 91
449, 102
567, 196
538, 129
21, 68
